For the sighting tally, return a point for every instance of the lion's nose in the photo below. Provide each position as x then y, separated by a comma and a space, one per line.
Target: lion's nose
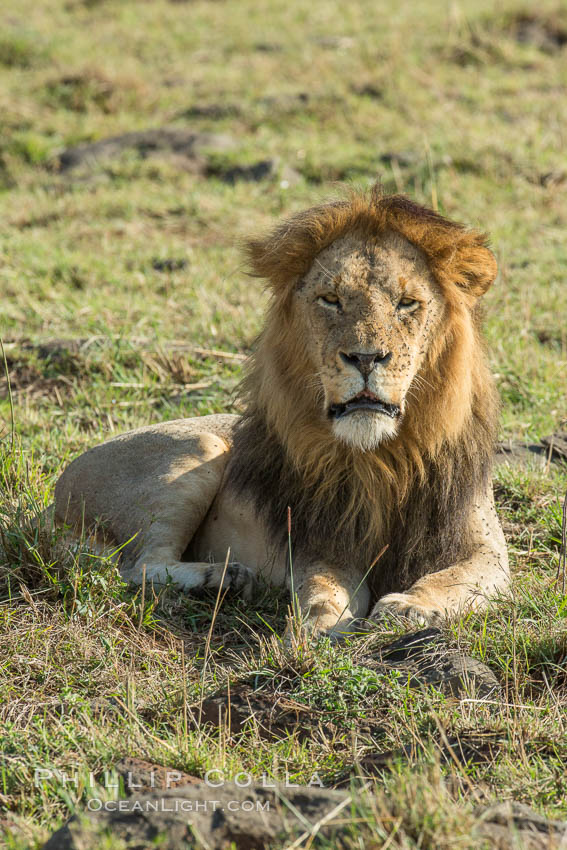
365, 363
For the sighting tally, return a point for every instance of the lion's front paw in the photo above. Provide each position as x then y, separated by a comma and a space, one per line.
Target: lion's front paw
241, 580
352, 628
402, 605
311, 629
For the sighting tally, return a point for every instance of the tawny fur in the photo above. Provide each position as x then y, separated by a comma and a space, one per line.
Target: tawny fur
423, 491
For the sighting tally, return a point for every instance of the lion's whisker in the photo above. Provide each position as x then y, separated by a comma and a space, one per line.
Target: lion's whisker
420, 380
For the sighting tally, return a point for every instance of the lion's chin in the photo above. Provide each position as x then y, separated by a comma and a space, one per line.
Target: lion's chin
365, 430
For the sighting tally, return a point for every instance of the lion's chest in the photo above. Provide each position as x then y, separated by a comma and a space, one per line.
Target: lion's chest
232, 523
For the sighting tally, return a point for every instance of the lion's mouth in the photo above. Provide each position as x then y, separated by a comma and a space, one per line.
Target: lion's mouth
364, 400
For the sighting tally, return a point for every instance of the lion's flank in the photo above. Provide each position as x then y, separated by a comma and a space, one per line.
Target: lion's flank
415, 491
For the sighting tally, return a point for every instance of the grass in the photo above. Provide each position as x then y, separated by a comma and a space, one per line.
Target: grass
124, 301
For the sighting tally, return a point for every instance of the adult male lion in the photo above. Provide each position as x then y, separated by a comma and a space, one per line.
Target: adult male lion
369, 410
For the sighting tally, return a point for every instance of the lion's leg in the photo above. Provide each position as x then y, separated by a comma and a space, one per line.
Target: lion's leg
152, 488
464, 586
160, 567
329, 598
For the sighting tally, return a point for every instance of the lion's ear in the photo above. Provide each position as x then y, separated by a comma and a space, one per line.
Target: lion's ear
476, 268
277, 257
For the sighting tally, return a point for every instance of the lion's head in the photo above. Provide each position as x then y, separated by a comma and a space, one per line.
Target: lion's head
372, 319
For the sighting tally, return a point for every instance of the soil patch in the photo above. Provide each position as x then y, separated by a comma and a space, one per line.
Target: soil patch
546, 32
274, 715
184, 143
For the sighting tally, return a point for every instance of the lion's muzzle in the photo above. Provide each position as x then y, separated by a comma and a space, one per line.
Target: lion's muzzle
365, 400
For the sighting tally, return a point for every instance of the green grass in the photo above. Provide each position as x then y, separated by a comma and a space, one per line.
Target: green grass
119, 281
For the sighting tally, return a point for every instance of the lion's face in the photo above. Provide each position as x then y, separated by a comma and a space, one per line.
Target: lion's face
370, 312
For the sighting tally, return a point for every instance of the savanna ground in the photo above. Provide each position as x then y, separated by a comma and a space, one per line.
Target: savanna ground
120, 283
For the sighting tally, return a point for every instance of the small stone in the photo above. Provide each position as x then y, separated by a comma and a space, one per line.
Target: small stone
427, 660
168, 264
265, 169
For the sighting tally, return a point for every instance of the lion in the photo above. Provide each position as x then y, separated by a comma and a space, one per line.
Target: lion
369, 422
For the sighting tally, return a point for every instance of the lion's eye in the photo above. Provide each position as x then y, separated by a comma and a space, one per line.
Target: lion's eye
407, 303
329, 300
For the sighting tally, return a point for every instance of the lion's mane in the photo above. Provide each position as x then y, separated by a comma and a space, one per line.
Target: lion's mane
414, 493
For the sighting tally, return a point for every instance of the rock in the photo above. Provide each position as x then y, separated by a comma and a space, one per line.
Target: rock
514, 826
262, 170
511, 453
214, 111
218, 815
186, 143
551, 450
169, 264
265, 169
376, 93
556, 445
268, 47
427, 660
250, 818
